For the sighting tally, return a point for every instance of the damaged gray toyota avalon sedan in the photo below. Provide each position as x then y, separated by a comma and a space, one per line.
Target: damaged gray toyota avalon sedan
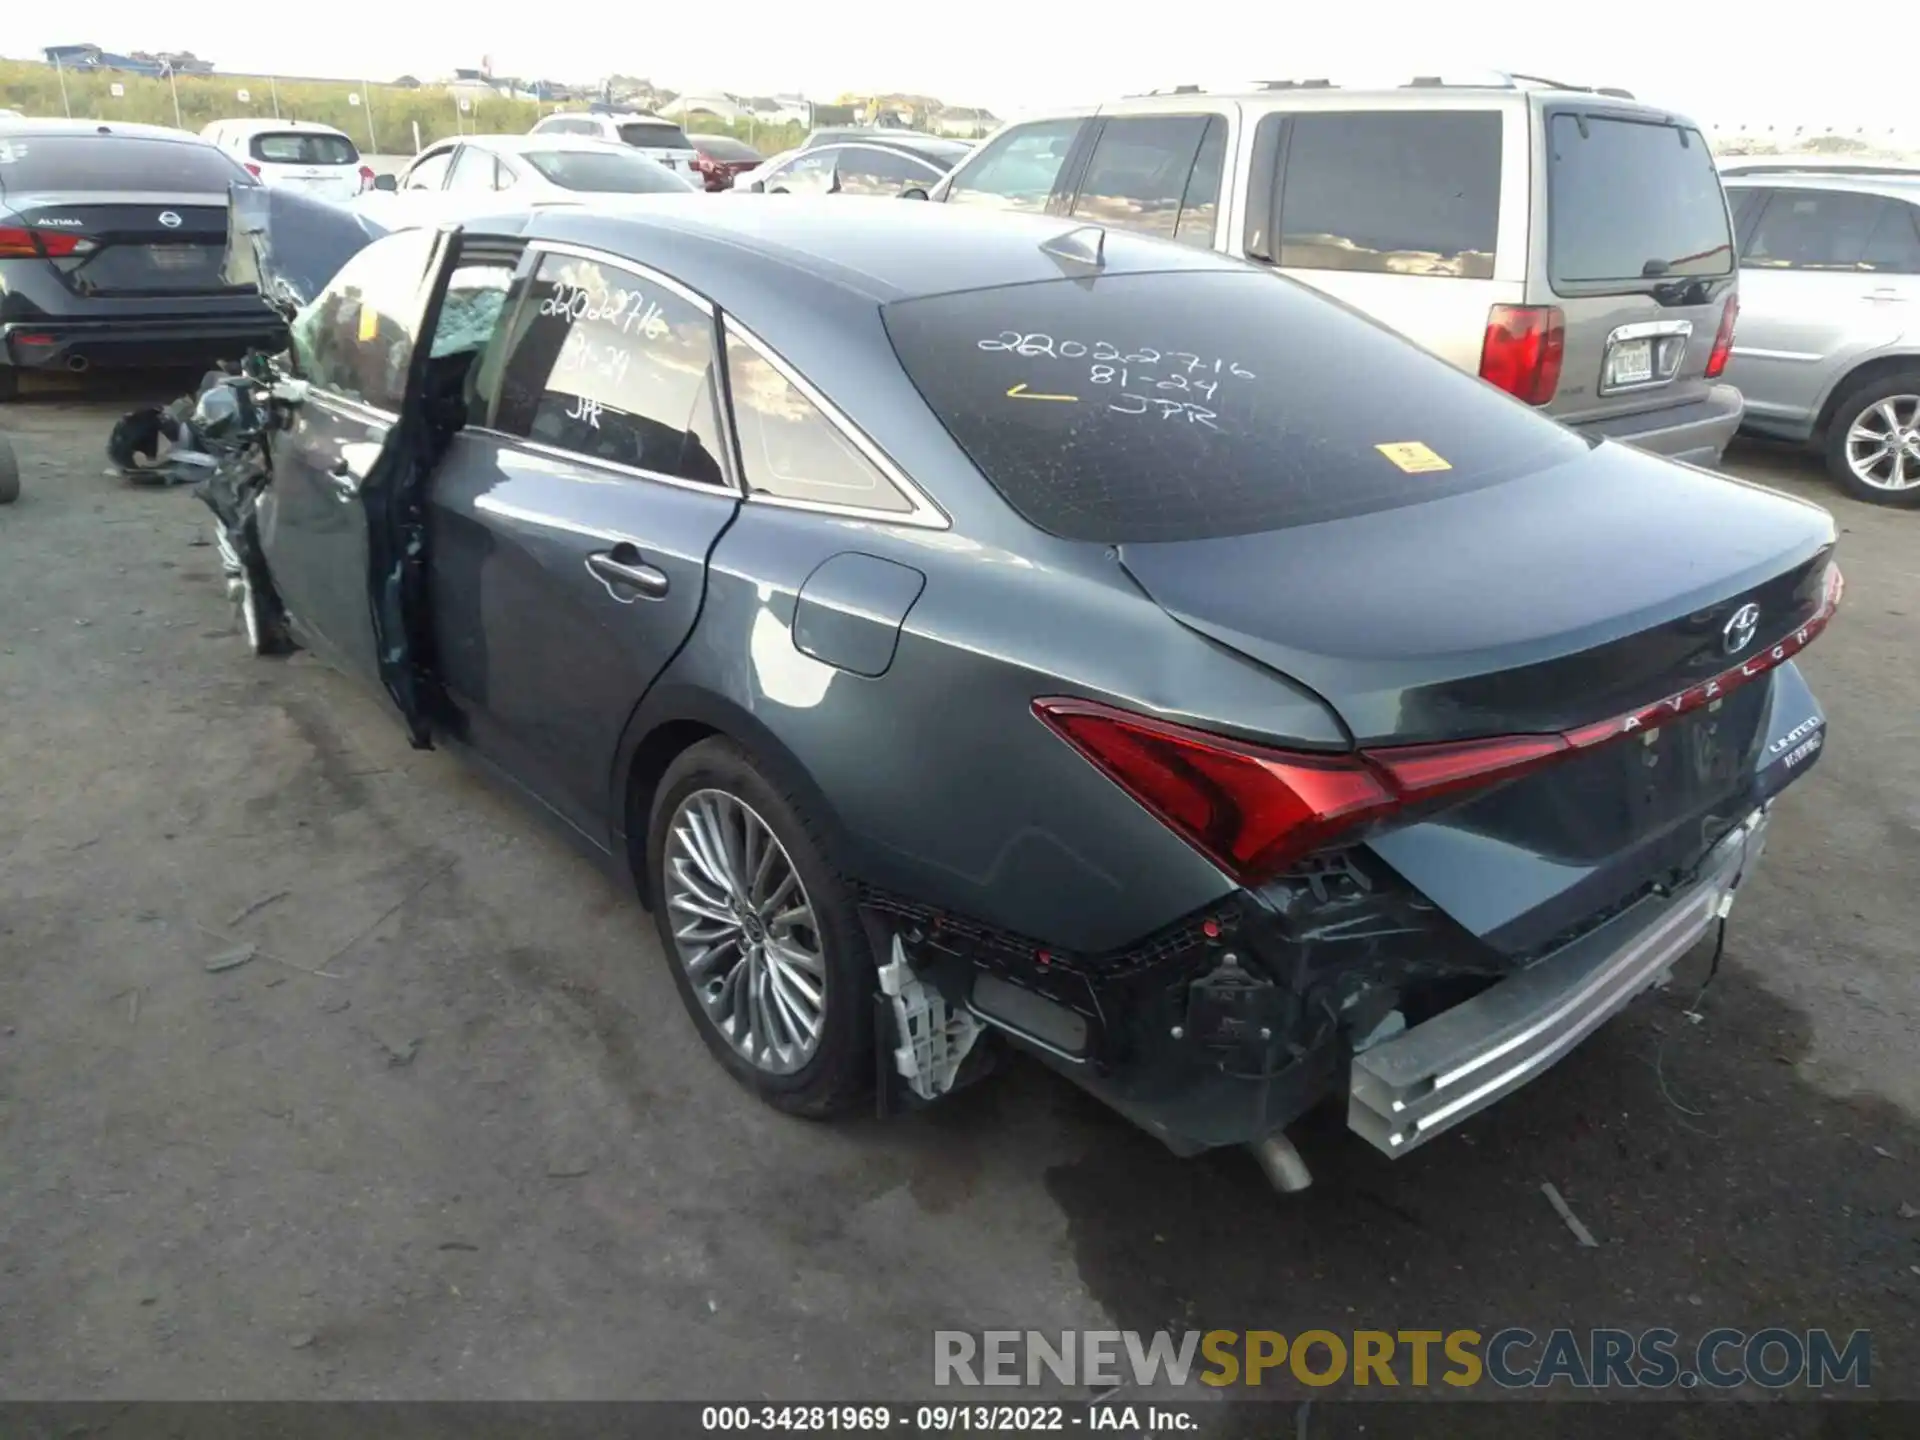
972, 631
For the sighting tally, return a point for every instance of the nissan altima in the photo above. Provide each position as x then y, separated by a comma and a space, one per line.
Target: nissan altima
977, 633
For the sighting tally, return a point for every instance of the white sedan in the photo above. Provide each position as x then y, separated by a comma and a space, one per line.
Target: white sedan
456, 175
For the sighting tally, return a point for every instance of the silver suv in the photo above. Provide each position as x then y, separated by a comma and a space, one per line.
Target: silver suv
1829, 345
1571, 246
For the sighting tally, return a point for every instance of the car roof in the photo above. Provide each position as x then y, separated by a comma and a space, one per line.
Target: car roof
125, 130
872, 251
614, 115
542, 140
1893, 183
275, 127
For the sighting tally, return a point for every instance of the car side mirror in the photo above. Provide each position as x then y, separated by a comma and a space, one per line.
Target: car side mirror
386, 183
913, 192
758, 187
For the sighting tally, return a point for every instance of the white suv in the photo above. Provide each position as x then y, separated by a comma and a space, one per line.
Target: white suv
299, 153
1570, 246
659, 140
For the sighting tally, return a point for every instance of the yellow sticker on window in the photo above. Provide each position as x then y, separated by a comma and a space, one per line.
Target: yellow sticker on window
1412, 457
370, 326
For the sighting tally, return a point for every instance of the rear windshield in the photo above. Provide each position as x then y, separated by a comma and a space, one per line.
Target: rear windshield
605, 170
655, 135
304, 148
1190, 405
114, 162
1632, 200
725, 147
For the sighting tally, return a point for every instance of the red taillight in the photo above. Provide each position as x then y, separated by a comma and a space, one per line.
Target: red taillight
366, 178
1723, 339
1523, 349
1253, 811
18, 243
253, 169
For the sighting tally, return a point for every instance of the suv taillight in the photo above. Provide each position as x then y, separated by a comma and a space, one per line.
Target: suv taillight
366, 178
253, 170
1723, 339
1523, 349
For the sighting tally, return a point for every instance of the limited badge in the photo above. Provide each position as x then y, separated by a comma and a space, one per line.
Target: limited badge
1412, 456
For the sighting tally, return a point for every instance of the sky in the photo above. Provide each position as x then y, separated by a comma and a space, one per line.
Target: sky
1726, 68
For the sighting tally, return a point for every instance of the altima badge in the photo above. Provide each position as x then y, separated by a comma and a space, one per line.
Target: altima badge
1741, 629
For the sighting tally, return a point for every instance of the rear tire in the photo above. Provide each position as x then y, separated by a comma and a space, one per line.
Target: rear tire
1856, 458
9, 383
745, 992
9, 473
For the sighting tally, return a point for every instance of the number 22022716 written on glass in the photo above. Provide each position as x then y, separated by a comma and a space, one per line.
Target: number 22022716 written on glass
1179, 379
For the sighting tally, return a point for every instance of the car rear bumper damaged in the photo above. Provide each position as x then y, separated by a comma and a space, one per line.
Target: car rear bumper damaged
1425, 1080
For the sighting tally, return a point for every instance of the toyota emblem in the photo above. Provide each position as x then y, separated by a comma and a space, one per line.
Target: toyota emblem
1741, 627
169, 219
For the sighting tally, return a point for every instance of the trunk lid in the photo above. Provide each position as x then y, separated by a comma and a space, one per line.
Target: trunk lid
1557, 599
129, 243
1565, 602
1635, 248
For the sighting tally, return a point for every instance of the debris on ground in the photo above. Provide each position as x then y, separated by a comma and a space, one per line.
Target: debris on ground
1565, 1212
231, 959
1908, 1211
458, 1245
256, 907
567, 1169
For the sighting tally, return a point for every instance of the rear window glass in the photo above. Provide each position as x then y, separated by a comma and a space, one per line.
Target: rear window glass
296, 148
655, 135
114, 162
1632, 200
1181, 406
609, 171
725, 147
1406, 192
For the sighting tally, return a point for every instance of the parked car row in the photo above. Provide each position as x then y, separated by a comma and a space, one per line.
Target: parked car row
1472, 219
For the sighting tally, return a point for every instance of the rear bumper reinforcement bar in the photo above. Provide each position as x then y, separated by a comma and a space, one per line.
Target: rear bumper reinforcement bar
1406, 1090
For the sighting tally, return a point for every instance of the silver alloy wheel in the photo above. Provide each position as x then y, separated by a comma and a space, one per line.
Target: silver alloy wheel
745, 931
1883, 444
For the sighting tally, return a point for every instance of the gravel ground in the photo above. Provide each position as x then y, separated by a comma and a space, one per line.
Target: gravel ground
449, 1133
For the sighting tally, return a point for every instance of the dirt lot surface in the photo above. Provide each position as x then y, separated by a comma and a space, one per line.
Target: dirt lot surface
449, 1132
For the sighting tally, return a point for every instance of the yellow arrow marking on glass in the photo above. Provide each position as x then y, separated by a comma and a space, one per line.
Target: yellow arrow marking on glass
1020, 392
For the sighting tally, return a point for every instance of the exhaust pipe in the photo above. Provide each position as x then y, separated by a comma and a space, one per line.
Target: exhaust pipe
1281, 1163
77, 364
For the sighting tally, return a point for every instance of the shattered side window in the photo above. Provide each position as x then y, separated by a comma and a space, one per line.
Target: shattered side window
356, 337
471, 311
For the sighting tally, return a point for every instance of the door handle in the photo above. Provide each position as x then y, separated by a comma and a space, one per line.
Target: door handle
622, 566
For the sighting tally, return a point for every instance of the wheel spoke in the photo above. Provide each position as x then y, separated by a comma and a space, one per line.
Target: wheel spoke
796, 1017
693, 841
1887, 413
798, 970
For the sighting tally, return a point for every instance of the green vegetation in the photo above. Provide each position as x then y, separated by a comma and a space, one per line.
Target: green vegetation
382, 123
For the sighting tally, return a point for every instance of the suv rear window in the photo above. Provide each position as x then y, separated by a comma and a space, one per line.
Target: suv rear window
1404, 192
1189, 405
655, 135
1632, 201
304, 148
114, 162
725, 147
611, 171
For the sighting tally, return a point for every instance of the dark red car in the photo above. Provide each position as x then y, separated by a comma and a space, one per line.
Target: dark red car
721, 157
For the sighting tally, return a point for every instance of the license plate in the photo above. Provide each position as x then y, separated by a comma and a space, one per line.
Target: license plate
1631, 363
176, 257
